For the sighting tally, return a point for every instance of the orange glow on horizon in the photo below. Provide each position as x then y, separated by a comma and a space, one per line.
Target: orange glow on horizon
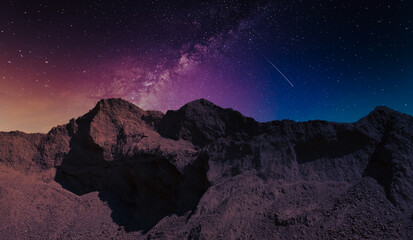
38, 110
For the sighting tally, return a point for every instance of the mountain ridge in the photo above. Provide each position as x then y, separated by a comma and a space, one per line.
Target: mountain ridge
217, 174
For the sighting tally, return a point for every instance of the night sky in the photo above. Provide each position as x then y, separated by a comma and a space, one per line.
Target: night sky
299, 60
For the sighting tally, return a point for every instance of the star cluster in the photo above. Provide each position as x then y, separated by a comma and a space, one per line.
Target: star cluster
57, 58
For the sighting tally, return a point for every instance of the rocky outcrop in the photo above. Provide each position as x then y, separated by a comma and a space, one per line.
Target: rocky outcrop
19, 150
204, 172
114, 149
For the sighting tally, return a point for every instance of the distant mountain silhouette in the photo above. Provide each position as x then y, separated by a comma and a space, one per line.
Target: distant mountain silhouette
205, 172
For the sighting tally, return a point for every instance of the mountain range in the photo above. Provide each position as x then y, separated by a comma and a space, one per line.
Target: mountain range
205, 172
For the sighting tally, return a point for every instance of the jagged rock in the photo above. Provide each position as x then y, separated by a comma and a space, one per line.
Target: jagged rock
204, 172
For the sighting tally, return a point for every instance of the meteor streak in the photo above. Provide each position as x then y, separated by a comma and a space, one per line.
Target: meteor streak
269, 61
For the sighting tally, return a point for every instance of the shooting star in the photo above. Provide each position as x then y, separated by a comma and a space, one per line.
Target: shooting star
269, 61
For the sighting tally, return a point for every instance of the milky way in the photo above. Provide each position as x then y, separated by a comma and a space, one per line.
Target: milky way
344, 57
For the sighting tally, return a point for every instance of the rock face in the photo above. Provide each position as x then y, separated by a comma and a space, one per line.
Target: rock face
204, 172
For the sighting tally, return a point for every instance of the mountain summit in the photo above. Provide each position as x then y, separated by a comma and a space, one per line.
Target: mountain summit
205, 172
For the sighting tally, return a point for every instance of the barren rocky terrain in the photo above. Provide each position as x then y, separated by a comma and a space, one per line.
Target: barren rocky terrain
204, 172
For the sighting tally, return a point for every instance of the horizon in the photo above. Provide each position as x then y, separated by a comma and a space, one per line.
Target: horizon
48, 129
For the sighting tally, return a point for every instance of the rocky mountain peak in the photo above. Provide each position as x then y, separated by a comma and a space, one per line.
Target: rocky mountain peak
199, 104
383, 112
201, 122
117, 108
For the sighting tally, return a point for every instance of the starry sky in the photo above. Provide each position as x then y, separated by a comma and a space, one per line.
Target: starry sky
333, 60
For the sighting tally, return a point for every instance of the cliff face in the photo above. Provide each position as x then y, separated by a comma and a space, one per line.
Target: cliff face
204, 172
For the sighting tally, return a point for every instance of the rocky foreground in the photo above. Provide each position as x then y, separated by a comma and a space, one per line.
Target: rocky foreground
204, 172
